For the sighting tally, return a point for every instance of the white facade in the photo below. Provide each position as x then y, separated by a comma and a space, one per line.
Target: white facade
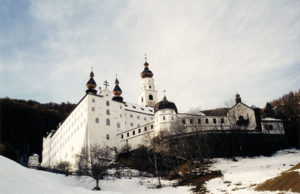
98, 119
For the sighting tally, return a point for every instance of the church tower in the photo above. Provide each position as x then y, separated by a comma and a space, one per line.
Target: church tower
148, 94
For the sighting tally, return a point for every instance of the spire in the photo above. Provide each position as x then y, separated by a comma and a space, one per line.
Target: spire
164, 98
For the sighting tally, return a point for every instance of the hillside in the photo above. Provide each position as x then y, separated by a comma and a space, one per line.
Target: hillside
16, 179
241, 176
245, 174
24, 123
287, 108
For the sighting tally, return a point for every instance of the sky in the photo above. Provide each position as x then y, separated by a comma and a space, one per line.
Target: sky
201, 52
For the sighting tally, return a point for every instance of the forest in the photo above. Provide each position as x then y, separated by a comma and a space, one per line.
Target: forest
23, 124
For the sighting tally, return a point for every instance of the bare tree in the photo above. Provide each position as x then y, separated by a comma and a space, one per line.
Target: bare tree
94, 162
152, 143
65, 167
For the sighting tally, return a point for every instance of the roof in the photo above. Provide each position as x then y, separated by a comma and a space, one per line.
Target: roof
216, 112
269, 119
165, 104
138, 108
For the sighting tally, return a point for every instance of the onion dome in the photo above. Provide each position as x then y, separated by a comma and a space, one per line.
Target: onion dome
91, 84
117, 90
165, 104
146, 72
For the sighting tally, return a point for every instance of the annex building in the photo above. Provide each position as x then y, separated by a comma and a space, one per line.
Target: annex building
105, 118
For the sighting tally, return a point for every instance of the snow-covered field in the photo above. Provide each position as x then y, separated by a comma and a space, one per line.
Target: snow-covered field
243, 175
16, 179
239, 177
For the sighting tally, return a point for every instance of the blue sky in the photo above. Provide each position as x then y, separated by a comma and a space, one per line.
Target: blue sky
201, 52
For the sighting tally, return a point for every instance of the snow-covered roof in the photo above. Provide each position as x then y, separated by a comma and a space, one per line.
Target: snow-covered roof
270, 119
138, 108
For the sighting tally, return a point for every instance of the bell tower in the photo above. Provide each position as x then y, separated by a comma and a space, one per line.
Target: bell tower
148, 94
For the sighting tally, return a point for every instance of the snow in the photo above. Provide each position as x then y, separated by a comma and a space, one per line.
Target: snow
239, 177
242, 176
16, 179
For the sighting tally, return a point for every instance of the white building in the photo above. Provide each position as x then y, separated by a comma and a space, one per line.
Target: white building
104, 118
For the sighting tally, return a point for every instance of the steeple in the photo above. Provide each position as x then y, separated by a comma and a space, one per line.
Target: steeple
117, 91
238, 98
91, 84
148, 94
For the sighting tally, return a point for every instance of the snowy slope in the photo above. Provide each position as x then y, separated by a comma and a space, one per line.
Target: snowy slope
243, 175
16, 179
239, 177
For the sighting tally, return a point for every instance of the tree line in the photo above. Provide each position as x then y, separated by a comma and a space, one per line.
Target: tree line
23, 124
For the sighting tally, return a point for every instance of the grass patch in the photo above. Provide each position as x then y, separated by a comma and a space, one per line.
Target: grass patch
286, 181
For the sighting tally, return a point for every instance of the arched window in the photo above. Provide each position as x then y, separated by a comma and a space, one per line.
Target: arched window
270, 127
107, 136
107, 103
107, 122
107, 112
150, 97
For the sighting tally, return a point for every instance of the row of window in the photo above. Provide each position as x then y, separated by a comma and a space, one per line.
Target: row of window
191, 121
107, 102
133, 132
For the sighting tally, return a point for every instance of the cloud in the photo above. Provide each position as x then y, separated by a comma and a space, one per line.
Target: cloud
201, 52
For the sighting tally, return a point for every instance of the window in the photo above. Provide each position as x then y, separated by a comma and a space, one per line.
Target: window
145, 118
120, 115
270, 127
120, 107
222, 120
145, 128
93, 108
97, 120
151, 126
93, 99
131, 115
127, 134
191, 121
138, 117
149, 87
107, 112
151, 118
206, 121
215, 121
199, 121
131, 124
150, 97
164, 118
107, 122
142, 99
183, 121
107, 136
118, 125
139, 130
172, 118
122, 136
107, 103
133, 132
